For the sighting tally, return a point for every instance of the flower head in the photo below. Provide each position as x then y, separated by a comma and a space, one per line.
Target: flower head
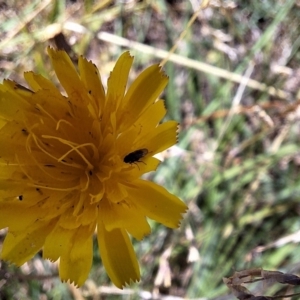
72, 164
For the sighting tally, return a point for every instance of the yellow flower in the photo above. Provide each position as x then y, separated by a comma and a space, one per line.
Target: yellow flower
70, 165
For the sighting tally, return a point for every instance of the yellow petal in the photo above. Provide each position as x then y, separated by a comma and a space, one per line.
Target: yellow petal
151, 117
88, 215
134, 138
21, 206
14, 101
9, 188
68, 220
6, 173
117, 255
163, 137
75, 265
125, 141
57, 242
136, 170
14, 135
18, 247
124, 215
157, 203
143, 92
68, 77
91, 79
16, 216
155, 141
2, 122
38, 82
116, 84
16, 89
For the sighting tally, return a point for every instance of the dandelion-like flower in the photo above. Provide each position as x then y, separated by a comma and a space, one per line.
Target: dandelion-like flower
70, 165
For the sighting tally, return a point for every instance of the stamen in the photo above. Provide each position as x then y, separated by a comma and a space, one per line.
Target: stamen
74, 165
63, 141
37, 141
22, 169
27, 144
70, 144
41, 167
55, 189
45, 112
96, 198
90, 166
79, 204
63, 121
87, 182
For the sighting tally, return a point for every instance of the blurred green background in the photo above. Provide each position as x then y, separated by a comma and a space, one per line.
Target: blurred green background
234, 80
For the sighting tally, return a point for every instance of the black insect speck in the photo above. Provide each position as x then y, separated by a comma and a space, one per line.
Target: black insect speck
135, 156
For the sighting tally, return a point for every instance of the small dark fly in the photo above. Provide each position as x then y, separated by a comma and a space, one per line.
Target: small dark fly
135, 156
